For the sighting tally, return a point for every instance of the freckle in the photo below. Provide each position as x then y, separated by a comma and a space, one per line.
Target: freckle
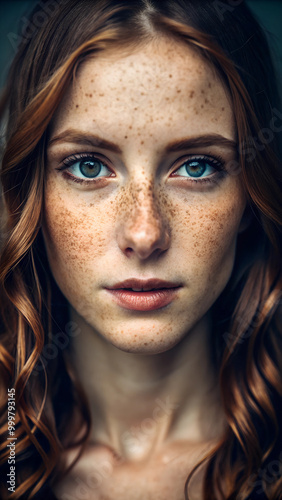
101, 95
222, 109
202, 105
125, 136
86, 110
178, 91
142, 142
86, 95
130, 127
206, 101
209, 85
170, 76
202, 91
77, 106
145, 343
90, 95
191, 93
92, 81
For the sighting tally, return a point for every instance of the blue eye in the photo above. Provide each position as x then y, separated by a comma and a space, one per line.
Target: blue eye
197, 168
90, 168
86, 167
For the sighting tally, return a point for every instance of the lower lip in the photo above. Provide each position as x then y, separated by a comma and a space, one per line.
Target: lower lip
144, 301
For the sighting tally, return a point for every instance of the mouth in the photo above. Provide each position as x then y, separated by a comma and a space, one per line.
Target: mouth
144, 295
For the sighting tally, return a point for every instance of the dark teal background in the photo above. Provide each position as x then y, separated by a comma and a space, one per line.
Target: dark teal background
13, 12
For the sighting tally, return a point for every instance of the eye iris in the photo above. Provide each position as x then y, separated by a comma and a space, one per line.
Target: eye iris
90, 168
195, 168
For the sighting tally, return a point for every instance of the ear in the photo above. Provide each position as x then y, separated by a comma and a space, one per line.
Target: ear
246, 220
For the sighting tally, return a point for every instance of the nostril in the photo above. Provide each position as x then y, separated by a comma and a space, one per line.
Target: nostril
129, 251
142, 234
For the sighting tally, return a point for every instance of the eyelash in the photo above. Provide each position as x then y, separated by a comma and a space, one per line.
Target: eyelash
217, 162
71, 160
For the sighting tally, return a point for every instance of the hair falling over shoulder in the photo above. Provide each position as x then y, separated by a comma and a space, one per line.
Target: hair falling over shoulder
50, 404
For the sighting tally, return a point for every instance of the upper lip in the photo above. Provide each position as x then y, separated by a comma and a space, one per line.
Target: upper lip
144, 285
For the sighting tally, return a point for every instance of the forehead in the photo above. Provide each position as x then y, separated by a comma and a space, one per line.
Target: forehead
161, 82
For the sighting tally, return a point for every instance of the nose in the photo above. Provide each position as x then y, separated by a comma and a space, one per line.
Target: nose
143, 229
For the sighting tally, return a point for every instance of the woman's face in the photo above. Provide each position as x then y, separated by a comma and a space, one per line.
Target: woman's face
139, 188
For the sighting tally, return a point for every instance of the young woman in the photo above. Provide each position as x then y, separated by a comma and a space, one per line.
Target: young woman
140, 267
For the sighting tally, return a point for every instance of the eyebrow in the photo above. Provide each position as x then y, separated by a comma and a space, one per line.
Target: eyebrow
206, 140
85, 138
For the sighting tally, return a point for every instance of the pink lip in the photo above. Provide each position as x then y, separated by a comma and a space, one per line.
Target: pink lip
154, 295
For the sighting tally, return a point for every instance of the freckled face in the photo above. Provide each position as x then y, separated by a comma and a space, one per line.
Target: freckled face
140, 204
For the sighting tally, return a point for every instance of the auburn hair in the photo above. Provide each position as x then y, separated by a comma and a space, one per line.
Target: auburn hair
248, 347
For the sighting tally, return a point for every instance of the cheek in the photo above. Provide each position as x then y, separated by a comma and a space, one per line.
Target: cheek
208, 235
75, 233
213, 232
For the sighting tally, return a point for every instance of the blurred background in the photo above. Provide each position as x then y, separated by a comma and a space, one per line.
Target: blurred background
14, 13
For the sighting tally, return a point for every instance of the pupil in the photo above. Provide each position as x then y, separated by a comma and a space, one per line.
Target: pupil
195, 168
90, 168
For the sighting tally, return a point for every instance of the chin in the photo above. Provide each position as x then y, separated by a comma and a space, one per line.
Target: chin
143, 349
145, 341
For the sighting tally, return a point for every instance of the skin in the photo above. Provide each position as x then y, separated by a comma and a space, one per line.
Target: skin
144, 221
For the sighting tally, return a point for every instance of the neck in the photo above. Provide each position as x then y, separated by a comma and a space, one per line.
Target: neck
138, 402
